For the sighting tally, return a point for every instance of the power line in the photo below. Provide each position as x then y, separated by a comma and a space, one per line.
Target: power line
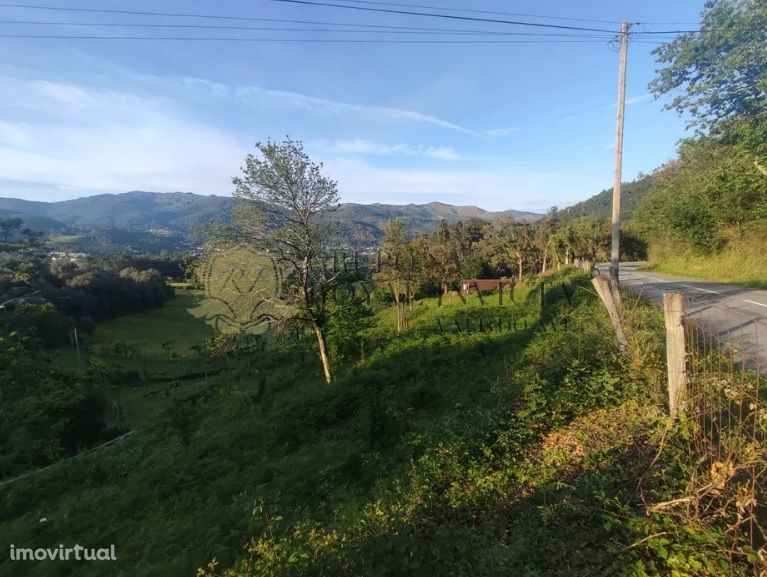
448, 16
325, 23
299, 40
228, 17
524, 14
404, 30
212, 16
292, 21
497, 13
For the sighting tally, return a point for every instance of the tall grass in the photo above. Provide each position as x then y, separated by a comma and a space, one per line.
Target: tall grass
743, 260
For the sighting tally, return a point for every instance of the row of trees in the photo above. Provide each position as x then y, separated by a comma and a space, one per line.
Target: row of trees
285, 208
92, 291
435, 263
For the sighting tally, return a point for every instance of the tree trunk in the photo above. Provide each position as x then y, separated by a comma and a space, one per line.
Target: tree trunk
519, 269
398, 305
322, 345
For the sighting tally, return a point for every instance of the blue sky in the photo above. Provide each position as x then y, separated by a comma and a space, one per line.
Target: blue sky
501, 126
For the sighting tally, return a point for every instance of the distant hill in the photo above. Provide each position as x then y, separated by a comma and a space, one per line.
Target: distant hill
365, 223
601, 204
36, 223
116, 221
136, 211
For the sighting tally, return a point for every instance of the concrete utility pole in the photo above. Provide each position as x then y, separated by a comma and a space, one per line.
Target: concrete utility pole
616, 223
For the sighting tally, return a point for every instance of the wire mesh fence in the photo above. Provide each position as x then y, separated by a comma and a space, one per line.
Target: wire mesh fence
725, 402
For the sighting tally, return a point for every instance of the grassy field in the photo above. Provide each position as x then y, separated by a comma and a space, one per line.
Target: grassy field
180, 322
180, 325
447, 450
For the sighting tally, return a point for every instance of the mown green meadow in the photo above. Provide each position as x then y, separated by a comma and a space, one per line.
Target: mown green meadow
181, 322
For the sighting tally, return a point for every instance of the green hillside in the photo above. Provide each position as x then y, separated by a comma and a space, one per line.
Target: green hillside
151, 221
600, 205
486, 440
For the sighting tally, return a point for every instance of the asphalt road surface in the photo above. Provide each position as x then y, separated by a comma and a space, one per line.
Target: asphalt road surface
735, 315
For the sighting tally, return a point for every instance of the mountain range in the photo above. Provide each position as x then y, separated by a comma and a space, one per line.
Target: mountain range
147, 221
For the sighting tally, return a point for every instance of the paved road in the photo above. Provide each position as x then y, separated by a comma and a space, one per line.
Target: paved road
737, 315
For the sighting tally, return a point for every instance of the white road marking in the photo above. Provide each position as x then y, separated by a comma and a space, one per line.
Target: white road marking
700, 289
754, 303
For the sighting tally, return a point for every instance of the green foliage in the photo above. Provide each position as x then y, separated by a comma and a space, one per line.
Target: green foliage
708, 199
348, 316
39, 320
720, 70
601, 205
9, 226
44, 414
93, 289
476, 267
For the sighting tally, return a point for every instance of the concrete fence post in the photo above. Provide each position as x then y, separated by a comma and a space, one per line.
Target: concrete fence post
604, 288
673, 310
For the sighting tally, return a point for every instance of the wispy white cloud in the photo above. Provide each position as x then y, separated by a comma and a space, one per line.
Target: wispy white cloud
633, 100
501, 131
203, 86
258, 96
362, 146
266, 97
73, 137
638, 99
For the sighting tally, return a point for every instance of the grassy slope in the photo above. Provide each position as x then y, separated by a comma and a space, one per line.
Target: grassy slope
171, 508
730, 266
742, 262
494, 453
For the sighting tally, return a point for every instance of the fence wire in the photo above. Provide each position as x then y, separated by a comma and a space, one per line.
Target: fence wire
726, 405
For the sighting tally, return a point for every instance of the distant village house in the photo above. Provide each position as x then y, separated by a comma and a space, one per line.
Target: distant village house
484, 284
